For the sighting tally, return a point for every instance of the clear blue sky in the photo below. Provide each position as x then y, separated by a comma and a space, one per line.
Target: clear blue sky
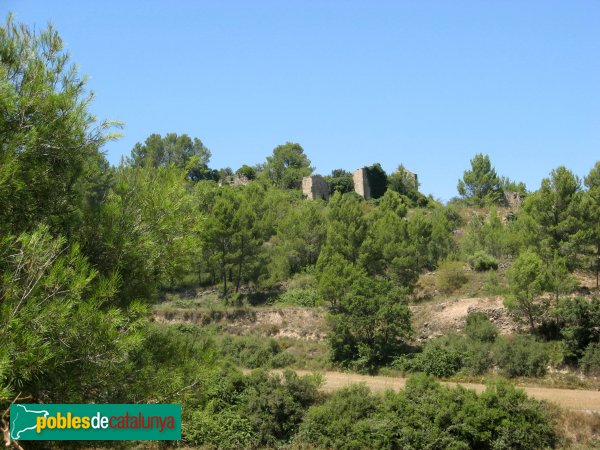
424, 83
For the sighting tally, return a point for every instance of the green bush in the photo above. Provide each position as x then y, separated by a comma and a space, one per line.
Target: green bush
370, 325
433, 360
590, 361
305, 296
340, 422
250, 351
492, 284
479, 328
479, 351
482, 262
259, 410
478, 358
427, 415
276, 404
577, 321
522, 356
451, 276
557, 353
226, 429
282, 359
447, 355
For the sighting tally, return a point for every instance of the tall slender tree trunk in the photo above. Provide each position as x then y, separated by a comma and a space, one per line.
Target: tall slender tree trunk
224, 270
531, 321
241, 263
597, 263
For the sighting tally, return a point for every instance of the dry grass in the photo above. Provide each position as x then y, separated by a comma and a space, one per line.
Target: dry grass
281, 322
577, 430
586, 401
308, 355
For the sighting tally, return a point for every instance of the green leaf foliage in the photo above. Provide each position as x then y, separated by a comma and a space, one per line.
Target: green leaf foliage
479, 328
287, 165
527, 280
481, 184
51, 165
369, 326
428, 415
60, 339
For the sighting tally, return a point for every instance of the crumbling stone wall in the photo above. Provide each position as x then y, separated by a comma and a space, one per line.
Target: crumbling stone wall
411, 176
314, 187
361, 183
234, 180
512, 199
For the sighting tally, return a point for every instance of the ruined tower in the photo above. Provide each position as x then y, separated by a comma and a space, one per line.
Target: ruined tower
314, 187
361, 183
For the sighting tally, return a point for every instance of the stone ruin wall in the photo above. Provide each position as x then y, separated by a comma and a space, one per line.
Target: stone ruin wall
512, 199
361, 183
412, 176
314, 187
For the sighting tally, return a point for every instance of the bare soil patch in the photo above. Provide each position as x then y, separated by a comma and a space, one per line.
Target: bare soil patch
283, 322
433, 319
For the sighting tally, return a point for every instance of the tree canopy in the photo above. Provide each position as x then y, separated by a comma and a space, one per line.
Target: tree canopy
181, 151
51, 165
480, 184
287, 165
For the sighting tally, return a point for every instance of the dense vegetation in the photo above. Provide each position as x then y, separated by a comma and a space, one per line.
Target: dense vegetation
86, 249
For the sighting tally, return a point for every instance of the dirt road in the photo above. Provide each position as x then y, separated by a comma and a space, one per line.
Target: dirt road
578, 400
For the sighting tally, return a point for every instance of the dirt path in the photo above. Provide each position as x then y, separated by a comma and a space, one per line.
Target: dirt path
578, 400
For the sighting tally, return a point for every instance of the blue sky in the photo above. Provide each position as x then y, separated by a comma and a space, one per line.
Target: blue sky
425, 83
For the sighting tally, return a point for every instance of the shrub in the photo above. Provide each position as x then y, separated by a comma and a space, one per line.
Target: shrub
249, 411
578, 322
225, 429
557, 353
305, 296
478, 357
334, 424
276, 404
451, 276
482, 262
492, 285
370, 325
427, 415
479, 328
522, 356
434, 360
590, 361
283, 359
250, 351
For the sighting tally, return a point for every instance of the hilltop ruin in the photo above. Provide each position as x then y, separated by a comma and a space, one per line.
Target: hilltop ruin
361, 183
315, 187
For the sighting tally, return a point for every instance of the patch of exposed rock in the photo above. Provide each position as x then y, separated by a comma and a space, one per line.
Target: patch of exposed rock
293, 322
438, 319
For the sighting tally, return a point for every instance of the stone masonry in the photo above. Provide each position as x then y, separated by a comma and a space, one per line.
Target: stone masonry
512, 199
413, 176
314, 187
361, 183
